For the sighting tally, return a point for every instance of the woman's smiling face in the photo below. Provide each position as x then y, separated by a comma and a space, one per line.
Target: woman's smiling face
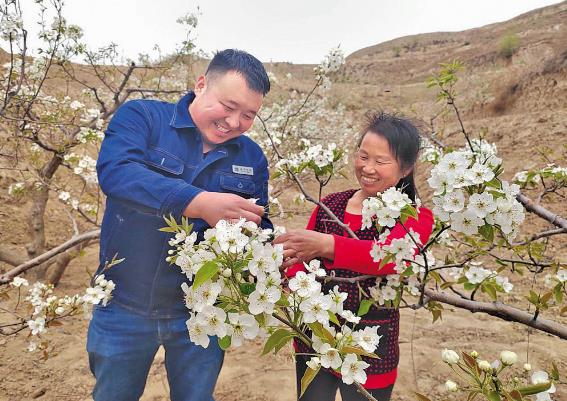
375, 166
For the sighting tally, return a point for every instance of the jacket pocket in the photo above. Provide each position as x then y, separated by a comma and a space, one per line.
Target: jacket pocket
163, 161
240, 185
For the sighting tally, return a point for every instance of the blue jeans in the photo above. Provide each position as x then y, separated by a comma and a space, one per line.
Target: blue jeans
122, 346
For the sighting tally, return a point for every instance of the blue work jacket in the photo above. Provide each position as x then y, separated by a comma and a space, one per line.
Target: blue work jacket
151, 164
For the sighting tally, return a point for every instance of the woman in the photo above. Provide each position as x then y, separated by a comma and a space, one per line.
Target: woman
386, 154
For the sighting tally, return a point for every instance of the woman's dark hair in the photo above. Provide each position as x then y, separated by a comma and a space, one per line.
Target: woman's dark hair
404, 141
244, 63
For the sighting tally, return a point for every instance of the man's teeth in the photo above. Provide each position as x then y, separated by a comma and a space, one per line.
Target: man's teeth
221, 128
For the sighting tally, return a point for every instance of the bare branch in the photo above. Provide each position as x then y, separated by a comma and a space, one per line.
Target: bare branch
8, 276
500, 310
542, 212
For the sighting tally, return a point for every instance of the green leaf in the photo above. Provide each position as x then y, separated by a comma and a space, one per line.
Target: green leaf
558, 292
387, 259
534, 389
447, 284
283, 301
469, 286
358, 351
322, 332
284, 341
224, 342
247, 288
436, 276
307, 378
487, 232
168, 229
275, 339
205, 273
421, 397
493, 396
333, 318
364, 307
554, 372
490, 290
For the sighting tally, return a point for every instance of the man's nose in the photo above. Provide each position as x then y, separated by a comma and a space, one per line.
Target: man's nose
233, 121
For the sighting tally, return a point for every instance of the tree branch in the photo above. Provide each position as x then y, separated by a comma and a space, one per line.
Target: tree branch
8, 276
500, 310
542, 212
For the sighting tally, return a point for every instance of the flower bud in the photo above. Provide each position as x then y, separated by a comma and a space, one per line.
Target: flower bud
449, 356
508, 358
339, 336
451, 385
227, 272
527, 367
485, 366
474, 354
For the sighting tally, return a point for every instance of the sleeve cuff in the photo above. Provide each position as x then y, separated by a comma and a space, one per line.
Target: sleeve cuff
176, 203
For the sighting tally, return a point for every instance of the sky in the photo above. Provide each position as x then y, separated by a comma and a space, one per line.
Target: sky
297, 31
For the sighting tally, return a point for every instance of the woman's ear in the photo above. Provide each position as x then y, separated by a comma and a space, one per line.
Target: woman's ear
406, 172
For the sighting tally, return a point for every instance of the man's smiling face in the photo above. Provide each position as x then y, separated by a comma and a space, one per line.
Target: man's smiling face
224, 107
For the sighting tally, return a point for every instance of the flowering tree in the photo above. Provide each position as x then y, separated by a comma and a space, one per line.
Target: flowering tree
237, 292
53, 114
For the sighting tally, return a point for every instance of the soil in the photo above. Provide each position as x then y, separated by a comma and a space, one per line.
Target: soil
519, 102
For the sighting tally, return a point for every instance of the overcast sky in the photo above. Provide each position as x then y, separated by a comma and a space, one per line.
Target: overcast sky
293, 30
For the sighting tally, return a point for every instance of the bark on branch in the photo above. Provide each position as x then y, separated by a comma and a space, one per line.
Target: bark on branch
500, 310
542, 212
8, 276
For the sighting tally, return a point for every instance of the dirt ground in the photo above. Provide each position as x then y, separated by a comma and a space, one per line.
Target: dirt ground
527, 126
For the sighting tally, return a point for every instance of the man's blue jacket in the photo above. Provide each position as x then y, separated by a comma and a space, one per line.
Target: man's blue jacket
151, 165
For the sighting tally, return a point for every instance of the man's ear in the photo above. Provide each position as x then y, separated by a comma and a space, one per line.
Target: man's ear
200, 85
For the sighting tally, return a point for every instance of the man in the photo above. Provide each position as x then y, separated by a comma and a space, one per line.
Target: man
186, 159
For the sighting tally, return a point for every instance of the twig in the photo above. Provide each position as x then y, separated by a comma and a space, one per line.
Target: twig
8, 276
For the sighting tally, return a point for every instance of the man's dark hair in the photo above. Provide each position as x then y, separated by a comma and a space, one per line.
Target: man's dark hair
403, 138
243, 63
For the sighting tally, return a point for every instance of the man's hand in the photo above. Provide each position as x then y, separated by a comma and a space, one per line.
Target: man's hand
215, 206
305, 245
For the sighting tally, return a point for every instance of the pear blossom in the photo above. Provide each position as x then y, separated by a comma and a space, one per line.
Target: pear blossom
467, 222
449, 356
37, 326
242, 326
304, 284
352, 370
540, 377
330, 357
315, 309
263, 299
508, 357
368, 338
451, 386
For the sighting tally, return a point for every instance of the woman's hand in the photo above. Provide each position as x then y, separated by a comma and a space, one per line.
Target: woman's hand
305, 245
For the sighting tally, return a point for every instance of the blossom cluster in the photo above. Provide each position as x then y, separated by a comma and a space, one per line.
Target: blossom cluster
476, 370
331, 63
473, 174
320, 160
532, 178
474, 275
46, 307
83, 166
238, 294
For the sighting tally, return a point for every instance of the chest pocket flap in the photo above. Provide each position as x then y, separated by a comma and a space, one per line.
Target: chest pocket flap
237, 184
163, 160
